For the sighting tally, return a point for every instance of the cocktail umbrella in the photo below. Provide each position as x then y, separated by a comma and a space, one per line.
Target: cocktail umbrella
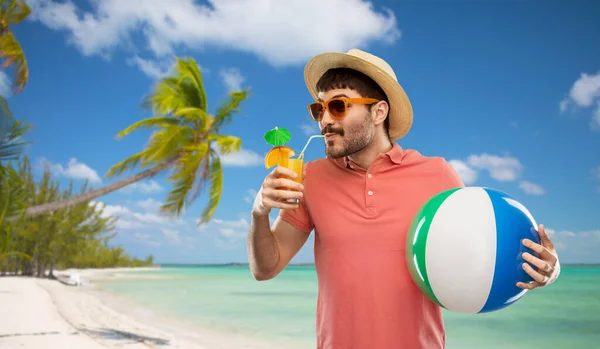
278, 136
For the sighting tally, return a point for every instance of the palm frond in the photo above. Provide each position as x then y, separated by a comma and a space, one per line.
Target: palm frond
216, 188
226, 110
193, 115
158, 121
11, 133
13, 11
226, 144
127, 164
182, 89
191, 81
184, 176
167, 142
12, 193
13, 56
165, 98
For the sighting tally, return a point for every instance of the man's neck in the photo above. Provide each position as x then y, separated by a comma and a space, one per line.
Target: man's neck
365, 157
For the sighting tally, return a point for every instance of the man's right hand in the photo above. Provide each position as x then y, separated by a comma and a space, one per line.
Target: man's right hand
276, 190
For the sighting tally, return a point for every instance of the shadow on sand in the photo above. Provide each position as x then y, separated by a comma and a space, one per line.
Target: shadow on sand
107, 333
32, 334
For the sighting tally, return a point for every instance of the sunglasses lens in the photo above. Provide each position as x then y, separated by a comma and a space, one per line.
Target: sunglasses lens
316, 111
337, 108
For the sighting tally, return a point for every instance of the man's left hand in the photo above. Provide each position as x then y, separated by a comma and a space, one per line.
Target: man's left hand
547, 264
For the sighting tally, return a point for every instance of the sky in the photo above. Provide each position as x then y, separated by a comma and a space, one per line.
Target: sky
507, 91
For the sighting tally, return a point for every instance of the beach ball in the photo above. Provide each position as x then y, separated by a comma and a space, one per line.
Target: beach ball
464, 249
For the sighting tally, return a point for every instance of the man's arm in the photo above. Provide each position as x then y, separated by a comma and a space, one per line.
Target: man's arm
271, 249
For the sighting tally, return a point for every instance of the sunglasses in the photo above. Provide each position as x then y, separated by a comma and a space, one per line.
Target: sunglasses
337, 107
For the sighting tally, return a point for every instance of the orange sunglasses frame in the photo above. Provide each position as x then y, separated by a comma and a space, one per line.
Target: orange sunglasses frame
346, 101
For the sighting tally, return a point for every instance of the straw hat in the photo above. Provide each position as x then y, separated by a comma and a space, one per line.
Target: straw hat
401, 113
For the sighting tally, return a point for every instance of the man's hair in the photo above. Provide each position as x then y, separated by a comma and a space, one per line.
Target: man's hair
341, 78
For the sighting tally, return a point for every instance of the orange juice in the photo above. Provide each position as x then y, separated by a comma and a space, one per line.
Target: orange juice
282, 156
295, 165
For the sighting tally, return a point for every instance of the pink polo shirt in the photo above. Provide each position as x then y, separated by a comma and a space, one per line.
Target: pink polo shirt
366, 297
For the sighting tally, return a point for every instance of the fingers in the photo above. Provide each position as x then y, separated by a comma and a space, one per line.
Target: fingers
528, 286
544, 266
545, 239
281, 171
542, 251
277, 183
282, 205
539, 278
278, 190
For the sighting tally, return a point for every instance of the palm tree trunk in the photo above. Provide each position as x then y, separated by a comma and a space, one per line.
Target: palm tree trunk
93, 194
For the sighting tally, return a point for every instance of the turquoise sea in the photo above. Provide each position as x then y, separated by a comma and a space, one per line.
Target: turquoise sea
565, 315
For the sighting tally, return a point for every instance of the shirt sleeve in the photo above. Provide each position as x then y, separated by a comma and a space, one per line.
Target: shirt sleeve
300, 217
450, 178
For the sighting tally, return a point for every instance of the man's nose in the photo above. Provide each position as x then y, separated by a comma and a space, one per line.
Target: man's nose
327, 120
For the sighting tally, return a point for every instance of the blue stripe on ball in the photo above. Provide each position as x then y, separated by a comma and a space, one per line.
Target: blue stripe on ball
512, 226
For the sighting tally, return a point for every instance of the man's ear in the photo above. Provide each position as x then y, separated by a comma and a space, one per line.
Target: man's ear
379, 112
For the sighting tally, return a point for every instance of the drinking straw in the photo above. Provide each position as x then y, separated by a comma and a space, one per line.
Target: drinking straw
306, 145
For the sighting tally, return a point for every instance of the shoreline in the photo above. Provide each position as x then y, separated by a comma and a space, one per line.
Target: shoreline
46, 310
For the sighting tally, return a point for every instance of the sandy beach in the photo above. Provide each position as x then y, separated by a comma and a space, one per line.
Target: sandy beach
43, 313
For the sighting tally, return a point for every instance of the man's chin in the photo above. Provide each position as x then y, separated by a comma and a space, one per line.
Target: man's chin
334, 153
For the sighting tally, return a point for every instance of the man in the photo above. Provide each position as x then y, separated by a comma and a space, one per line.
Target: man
359, 200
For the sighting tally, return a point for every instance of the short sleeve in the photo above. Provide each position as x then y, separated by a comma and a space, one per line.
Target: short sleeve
450, 178
300, 217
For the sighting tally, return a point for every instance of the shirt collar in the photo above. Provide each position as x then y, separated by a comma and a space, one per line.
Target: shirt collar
394, 155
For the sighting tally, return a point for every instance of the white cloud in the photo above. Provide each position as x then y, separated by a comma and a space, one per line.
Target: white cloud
111, 210
310, 129
281, 32
149, 204
595, 121
147, 187
146, 239
125, 224
242, 158
596, 176
171, 235
503, 169
466, 173
531, 188
123, 214
74, 169
232, 78
5, 84
157, 68
585, 90
231, 231
153, 69
154, 229
132, 219
582, 94
251, 194
596, 172
576, 246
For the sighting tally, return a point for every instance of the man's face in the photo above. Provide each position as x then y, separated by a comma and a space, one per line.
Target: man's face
350, 134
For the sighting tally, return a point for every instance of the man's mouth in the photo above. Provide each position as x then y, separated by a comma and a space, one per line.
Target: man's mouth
330, 135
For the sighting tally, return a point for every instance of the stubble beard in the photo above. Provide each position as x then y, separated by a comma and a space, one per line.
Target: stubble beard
354, 140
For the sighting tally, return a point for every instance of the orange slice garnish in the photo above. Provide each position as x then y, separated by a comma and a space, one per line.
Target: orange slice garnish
278, 156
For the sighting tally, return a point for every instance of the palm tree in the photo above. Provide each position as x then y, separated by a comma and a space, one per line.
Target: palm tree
11, 134
186, 141
13, 12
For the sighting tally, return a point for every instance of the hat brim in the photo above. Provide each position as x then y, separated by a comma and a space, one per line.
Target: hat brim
401, 113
